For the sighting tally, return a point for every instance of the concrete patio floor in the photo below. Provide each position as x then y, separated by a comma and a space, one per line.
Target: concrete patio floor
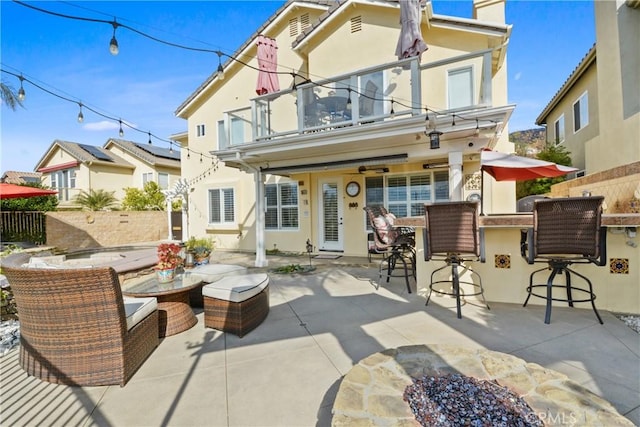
288, 370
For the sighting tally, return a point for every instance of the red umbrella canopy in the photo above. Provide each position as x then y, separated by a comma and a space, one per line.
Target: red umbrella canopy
509, 167
13, 191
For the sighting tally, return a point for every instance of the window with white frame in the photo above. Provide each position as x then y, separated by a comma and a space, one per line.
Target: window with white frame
62, 181
581, 112
281, 206
147, 177
222, 135
163, 180
406, 195
221, 204
460, 84
200, 130
558, 128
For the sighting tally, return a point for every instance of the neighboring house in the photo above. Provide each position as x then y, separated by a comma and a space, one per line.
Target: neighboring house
15, 177
596, 112
349, 127
152, 163
70, 167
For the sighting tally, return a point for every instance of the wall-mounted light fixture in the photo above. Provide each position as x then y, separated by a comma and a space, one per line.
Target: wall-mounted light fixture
377, 169
434, 139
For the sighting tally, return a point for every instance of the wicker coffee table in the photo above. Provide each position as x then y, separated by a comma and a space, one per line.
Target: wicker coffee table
173, 300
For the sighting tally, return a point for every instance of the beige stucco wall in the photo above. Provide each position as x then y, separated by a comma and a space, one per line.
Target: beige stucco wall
589, 136
617, 35
143, 167
79, 230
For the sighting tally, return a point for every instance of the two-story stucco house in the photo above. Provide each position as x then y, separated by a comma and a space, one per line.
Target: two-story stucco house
351, 125
71, 167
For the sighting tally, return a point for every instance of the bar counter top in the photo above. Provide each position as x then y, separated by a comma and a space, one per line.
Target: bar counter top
526, 220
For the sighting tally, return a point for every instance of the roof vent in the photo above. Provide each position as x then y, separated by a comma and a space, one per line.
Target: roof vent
293, 27
356, 24
304, 21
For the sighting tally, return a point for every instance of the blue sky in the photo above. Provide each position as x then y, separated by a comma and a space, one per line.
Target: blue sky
147, 81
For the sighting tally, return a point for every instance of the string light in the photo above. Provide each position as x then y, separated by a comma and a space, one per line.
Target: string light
113, 45
349, 100
220, 68
149, 138
21, 93
120, 132
188, 154
453, 120
392, 113
80, 115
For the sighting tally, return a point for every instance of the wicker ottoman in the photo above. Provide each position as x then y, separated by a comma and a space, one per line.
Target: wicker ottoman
209, 273
236, 304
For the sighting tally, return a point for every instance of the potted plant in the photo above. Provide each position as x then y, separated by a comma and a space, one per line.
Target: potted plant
201, 249
168, 260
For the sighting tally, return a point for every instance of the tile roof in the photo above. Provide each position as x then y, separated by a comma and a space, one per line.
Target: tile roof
16, 177
75, 149
151, 154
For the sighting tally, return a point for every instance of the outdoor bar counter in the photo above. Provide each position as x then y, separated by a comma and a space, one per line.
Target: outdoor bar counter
505, 274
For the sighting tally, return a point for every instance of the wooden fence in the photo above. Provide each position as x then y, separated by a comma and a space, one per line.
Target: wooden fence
17, 226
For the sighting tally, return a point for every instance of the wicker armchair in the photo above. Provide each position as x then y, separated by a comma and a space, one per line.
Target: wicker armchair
396, 244
452, 235
73, 325
565, 231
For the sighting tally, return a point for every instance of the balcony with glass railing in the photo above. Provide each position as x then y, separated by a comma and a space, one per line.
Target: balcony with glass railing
373, 95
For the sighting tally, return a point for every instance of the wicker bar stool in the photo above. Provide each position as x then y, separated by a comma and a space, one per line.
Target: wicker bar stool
452, 234
565, 231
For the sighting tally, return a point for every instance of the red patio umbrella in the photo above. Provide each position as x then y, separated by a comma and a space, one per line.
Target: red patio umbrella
13, 191
509, 167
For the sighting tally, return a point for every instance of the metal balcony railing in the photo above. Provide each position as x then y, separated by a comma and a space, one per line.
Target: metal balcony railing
372, 95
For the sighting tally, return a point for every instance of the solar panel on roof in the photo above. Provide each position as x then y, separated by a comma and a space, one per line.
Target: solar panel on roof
95, 152
159, 151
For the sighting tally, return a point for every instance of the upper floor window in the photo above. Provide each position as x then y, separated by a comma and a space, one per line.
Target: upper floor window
221, 206
163, 180
282, 206
460, 83
147, 177
581, 112
406, 195
200, 130
558, 128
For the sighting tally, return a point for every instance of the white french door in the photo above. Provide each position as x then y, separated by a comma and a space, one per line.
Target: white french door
330, 222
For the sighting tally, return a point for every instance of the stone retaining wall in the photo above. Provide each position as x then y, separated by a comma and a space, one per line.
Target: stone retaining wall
80, 230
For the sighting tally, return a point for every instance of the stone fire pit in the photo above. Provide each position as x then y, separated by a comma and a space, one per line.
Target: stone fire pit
372, 391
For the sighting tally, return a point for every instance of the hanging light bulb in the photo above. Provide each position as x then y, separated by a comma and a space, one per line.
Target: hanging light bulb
453, 121
188, 154
220, 69
149, 137
477, 131
349, 100
392, 113
21, 93
200, 157
171, 147
80, 115
120, 132
113, 45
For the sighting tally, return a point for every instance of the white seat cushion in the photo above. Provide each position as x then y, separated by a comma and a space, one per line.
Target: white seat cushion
236, 288
136, 309
212, 272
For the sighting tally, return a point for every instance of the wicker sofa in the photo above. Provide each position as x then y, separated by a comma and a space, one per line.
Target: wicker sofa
76, 328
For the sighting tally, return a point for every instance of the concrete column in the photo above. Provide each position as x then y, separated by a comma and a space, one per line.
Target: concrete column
455, 176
